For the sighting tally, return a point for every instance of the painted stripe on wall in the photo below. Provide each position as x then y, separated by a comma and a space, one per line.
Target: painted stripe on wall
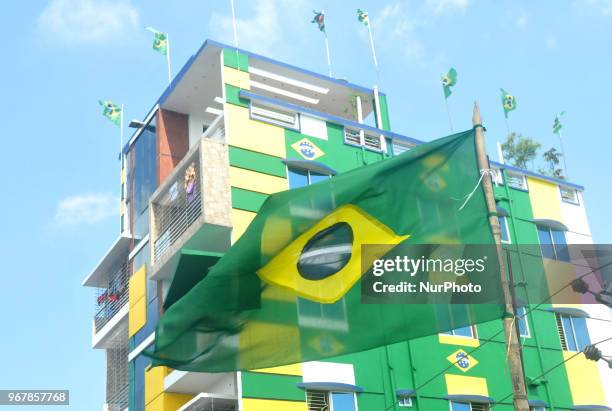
253, 135
240, 221
252, 404
545, 199
458, 340
461, 384
252, 160
292, 369
247, 200
237, 78
254, 181
584, 380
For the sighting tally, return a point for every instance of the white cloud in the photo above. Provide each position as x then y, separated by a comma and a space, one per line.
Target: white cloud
551, 41
85, 209
522, 20
604, 7
395, 25
87, 21
447, 6
266, 29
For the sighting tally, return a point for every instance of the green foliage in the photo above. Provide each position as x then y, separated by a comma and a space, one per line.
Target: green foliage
519, 151
552, 158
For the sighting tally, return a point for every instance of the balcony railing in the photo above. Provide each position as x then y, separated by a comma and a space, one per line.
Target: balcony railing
110, 299
179, 205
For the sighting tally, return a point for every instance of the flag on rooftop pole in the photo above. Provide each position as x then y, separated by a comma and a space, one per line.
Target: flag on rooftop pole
260, 305
111, 111
449, 80
509, 104
364, 18
161, 44
319, 19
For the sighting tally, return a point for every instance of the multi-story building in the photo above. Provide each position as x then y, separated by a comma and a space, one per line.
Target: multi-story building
234, 127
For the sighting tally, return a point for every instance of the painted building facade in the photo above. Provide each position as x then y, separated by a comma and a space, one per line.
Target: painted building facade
235, 127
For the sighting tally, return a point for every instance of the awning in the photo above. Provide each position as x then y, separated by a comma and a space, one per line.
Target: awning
314, 166
537, 403
552, 224
405, 393
329, 386
114, 258
574, 312
470, 398
592, 408
192, 266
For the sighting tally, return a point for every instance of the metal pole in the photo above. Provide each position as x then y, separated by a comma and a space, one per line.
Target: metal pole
563, 155
450, 121
328, 56
514, 354
168, 58
374, 54
234, 24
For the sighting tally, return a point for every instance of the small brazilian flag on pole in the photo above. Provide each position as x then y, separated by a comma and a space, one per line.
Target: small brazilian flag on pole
363, 17
289, 290
160, 42
508, 102
448, 81
557, 126
111, 111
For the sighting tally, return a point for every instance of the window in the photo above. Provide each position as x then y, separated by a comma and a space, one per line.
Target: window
369, 140
330, 401
538, 409
552, 244
503, 227
569, 195
468, 331
302, 177
275, 115
516, 180
469, 406
572, 332
521, 319
404, 401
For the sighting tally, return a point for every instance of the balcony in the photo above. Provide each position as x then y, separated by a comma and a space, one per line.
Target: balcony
213, 391
113, 297
191, 209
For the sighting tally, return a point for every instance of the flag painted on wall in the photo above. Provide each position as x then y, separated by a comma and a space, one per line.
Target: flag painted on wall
111, 111
448, 82
160, 41
289, 290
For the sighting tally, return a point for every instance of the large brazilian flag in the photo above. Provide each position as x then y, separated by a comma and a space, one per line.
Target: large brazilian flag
288, 290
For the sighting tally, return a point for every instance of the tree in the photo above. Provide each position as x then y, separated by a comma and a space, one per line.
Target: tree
552, 158
519, 150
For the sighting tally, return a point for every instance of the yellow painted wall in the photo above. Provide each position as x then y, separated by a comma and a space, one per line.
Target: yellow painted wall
545, 199
585, 383
253, 135
254, 181
292, 369
236, 78
253, 404
168, 401
154, 382
240, 221
137, 317
461, 384
458, 340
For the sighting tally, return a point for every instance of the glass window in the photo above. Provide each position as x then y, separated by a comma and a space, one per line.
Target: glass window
569, 195
467, 331
516, 180
275, 115
460, 406
503, 227
574, 333
521, 318
343, 401
145, 176
404, 401
302, 177
553, 244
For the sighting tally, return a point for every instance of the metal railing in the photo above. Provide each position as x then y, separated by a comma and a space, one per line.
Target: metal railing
109, 300
117, 377
177, 204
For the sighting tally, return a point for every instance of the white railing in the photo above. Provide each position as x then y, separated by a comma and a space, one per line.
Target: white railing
110, 299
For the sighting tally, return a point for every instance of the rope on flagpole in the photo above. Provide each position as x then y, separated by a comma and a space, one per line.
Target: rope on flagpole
492, 172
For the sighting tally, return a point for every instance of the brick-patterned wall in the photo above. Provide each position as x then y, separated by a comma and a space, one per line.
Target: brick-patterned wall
172, 141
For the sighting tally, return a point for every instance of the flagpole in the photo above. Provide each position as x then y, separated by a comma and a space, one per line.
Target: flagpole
563, 155
234, 24
450, 121
507, 124
328, 56
373, 52
515, 361
168, 58
121, 199
121, 137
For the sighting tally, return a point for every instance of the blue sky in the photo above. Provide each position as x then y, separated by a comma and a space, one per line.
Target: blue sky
59, 154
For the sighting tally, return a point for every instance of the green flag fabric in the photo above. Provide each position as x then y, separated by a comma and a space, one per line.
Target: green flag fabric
160, 41
319, 19
289, 290
508, 102
448, 81
363, 17
557, 126
111, 111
